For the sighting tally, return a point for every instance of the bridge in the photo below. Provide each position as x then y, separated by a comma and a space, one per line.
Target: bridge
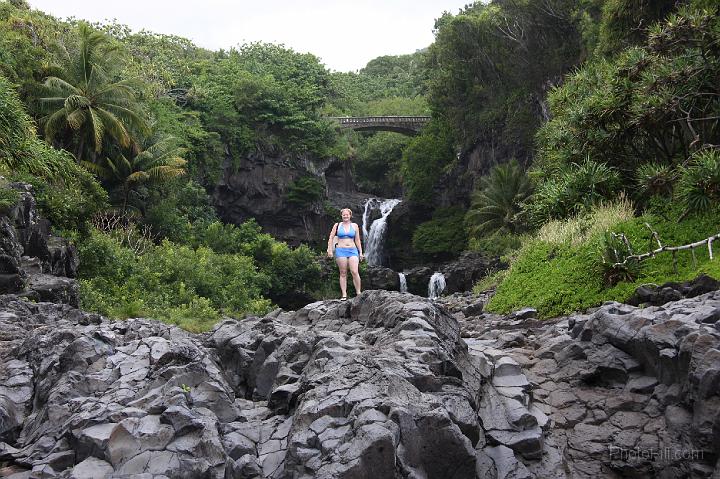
408, 125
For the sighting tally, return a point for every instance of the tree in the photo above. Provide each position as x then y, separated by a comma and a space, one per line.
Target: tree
87, 106
160, 161
498, 203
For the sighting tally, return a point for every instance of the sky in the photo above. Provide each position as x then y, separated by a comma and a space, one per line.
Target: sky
345, 34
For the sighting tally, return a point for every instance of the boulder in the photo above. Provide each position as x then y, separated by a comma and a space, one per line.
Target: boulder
378, 277
470, 267
418, 280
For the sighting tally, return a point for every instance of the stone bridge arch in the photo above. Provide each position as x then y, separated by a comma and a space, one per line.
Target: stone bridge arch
407, 125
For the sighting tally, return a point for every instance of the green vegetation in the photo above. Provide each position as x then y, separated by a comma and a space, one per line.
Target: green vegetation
498, 203
560, 270
305, 191
641, 124
423, 161
602, 102
378, 162
86, 105
443, 236
136, 128
175, 283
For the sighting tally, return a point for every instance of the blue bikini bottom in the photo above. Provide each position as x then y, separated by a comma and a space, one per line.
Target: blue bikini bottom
346, 252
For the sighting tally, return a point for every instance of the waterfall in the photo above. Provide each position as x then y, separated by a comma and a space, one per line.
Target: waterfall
403, 283
375, 236
436, 285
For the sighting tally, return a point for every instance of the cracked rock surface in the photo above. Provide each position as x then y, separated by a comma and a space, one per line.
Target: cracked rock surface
387, 385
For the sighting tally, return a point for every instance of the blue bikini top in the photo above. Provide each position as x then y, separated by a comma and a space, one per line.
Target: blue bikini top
341, 233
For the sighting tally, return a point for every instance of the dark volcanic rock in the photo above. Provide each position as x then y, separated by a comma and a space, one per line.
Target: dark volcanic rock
377, 277
33, 262
463, 273
378, 386
418, 280
334, 390
258, 188
653, 295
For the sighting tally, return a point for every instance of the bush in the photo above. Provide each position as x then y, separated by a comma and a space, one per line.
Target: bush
617, 266
305, 191
699, 185
289, 271
174, 283
654, 179
498, 203
443, 236
574, 191
565, 274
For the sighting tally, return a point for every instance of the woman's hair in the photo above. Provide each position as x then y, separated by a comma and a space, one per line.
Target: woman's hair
348, 210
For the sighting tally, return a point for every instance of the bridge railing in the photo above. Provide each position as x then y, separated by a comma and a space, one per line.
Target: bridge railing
354, 120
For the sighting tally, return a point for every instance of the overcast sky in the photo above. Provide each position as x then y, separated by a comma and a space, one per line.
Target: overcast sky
345, 34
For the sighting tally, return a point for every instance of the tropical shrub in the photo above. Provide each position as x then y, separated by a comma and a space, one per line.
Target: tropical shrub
699, 184
566, 274
305, 191
168, 282
443, 236
654, 179
649, 104
573, 190
497, 205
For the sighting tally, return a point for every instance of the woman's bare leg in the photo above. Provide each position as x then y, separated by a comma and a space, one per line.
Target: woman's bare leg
343, 266
354, 262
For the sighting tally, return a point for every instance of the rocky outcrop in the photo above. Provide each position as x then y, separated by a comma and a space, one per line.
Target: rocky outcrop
654, 295
258, 186
32, 261
379, 386
470, 267
377, 277
628, 392
460, 275
418, 280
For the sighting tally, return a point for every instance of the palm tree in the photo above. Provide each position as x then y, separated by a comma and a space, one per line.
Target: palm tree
86, 105
160, 161
497, 204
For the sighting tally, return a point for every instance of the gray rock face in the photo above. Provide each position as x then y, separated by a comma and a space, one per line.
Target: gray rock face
257, 187
653, 295
377, 277
418, 279
383, 385
463, 273
33, 262
621, 392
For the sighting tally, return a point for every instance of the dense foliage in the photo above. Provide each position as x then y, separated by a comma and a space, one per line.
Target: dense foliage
442, 237
599, 101
560, 271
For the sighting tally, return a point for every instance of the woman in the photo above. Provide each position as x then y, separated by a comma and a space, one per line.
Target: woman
348, 251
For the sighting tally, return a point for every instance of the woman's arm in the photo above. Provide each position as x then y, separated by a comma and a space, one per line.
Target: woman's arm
358, 240
333, 233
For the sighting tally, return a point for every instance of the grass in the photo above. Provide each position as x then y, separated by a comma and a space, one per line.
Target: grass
559, 272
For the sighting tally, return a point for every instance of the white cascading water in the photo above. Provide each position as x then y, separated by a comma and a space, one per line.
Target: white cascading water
374, 238
403, 283
436, 285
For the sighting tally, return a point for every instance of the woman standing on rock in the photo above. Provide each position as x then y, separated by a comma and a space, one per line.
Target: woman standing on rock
348, 251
